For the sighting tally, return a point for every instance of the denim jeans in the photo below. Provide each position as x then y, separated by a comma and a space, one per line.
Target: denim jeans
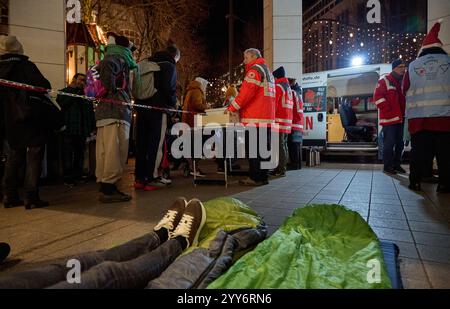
129, 266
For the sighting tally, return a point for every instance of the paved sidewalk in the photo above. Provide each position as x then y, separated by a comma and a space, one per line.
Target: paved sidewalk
418, 223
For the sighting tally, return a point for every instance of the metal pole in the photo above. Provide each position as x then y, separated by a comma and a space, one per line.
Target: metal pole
230, 41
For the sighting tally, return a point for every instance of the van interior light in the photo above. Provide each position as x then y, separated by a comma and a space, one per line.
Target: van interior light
357, 61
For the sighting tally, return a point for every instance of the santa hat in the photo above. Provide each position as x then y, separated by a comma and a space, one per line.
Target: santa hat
432, 38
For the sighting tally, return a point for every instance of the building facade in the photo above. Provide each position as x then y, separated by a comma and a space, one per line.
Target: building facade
283, 35
40, 27
337, 31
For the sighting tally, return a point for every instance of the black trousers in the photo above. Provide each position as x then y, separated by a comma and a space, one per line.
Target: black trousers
256, 173
393, 145
17, 158
73, 156
151, 129
295, 154
426, 145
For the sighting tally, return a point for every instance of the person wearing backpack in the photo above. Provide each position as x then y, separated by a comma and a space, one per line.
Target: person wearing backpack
113, 118
27, 125
152, 123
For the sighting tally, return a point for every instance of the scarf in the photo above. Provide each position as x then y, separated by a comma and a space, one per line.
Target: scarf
125, 53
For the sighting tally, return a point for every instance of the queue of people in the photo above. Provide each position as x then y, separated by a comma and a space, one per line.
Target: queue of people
268, 101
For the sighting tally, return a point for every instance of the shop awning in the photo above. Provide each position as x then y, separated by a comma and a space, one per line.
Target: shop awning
79, 34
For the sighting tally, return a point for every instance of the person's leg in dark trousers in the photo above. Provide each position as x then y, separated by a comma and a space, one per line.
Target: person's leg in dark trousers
143, 133
68, 158
399, 145
392, 146
442, 144
56, 272
15, 161
73, 156
256, 173
418, 159
158, 126
78, 156
35, 156
133, 274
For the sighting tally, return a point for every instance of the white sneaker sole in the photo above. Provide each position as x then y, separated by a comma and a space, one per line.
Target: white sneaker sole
202, 224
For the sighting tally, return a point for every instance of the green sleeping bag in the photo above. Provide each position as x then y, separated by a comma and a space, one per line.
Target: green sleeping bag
318, 247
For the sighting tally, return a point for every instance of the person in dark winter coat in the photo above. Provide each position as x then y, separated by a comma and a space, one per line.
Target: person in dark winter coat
26, 138
80, 124
152, 124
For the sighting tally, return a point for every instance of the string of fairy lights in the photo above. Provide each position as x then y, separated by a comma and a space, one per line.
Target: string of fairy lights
329, 39
330, 44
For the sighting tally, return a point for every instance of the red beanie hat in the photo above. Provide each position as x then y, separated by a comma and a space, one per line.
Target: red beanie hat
432, 38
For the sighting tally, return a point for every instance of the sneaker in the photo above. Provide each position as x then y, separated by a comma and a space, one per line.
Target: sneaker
191, 223
115, 197
400, 170
166, 181
160, 182
34, 204
5, 249
172, 216
127, 196
149, 188
198, 173
390, 171
139, 185
278, 174
248, 182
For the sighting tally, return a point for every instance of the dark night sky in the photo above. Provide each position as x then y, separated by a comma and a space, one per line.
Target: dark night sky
247, 34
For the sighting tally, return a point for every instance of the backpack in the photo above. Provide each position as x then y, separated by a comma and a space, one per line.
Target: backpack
94, 86
144, 87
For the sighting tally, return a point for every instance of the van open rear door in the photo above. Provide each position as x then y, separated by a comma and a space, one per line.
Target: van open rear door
315, 106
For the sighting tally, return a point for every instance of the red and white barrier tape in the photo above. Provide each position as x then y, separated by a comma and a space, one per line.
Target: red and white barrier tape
21, 86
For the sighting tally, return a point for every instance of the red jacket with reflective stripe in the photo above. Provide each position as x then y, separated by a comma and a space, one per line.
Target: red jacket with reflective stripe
390, 100
298, 119
256, 99
284, 105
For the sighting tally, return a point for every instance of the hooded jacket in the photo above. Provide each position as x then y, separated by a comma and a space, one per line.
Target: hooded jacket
113, 69
19, 130
165, 81
195, 102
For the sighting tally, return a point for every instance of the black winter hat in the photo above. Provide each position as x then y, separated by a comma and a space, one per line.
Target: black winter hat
396, 63
279, 73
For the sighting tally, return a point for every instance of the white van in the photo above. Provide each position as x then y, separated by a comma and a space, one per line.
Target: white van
340, 116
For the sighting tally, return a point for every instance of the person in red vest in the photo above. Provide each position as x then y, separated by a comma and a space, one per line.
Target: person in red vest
295, 139
427, 89
390, 101
283, 117
255, 104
